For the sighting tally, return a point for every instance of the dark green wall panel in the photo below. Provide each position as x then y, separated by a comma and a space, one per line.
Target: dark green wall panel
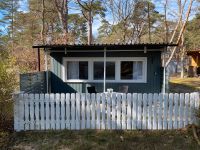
153, 73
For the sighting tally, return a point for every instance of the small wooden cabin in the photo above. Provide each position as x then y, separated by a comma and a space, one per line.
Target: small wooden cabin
104, 66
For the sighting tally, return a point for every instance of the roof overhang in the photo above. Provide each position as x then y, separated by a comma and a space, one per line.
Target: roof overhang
109, 47
194, 52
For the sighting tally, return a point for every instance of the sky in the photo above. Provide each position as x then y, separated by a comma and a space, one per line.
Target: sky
172, 8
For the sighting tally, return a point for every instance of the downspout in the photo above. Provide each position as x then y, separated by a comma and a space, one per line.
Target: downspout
38, 55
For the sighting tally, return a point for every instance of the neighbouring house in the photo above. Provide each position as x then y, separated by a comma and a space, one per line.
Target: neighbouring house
73, 68
194, 63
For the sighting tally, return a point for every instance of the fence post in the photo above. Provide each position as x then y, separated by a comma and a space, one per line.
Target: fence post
16, 112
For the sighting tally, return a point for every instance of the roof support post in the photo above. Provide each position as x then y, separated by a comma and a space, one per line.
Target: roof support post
165, 77
104, 71
38, 54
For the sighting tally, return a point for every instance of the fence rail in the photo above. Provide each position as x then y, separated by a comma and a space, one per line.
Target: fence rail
104, 111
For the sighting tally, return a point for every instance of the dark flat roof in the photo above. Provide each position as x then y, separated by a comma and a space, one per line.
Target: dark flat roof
156, 46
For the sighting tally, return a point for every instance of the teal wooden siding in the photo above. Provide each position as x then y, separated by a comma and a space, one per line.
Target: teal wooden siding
153, 73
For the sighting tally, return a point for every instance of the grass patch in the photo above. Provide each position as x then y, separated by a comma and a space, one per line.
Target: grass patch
93, 139
184, 85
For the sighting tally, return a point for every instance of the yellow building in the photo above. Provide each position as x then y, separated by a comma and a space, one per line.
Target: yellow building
194, 63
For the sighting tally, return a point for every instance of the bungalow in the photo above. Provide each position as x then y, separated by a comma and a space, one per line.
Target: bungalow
194, 63
137, 67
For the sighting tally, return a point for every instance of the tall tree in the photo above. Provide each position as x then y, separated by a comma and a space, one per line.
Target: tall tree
9, 9
62, 9
89, 9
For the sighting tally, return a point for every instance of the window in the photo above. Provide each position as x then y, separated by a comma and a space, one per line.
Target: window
131, 70
98, 70
120, 69
77, 70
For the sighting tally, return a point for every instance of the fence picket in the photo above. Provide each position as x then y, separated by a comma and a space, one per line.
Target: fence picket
37, 121
62, 110
98, 123
144, 111
160, 112
150, 96
73, 112
47, 122
165, 111
32, 120
113, 111
26, 109
124, 111
42, 123
155, 107
192, 107
170, 110
186, 109
52, 106
93, 101
108, 112
16, 112
103, 121
57, 111
118, 111
83, 111
139, 113
88, 111
176, 99
77, 111
134, 111
196, 97
128, 111
67, 111
180, 125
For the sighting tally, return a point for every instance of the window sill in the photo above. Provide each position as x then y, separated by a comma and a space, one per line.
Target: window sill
107, 81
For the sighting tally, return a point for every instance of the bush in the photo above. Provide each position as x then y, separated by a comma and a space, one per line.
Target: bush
8, 84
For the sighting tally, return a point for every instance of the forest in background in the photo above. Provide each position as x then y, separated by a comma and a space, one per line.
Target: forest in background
87, 22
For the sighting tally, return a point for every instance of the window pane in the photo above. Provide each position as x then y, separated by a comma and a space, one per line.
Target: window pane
127, 70
110, 70
83, 70
72, 70
99, 70
77, 70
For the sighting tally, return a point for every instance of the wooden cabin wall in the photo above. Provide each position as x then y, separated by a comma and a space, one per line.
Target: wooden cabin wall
154, 74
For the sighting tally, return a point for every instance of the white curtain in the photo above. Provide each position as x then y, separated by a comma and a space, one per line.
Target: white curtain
137, 70
72, 70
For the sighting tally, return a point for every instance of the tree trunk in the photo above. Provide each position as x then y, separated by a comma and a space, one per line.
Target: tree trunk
62, 10
89, 27
182, 58
181, 32
43, 21
12, 25
149, 23
166, 24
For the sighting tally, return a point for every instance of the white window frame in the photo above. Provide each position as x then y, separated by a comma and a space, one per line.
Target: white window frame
117, 61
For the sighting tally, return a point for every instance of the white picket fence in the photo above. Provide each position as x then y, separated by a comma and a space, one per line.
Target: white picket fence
104, 111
